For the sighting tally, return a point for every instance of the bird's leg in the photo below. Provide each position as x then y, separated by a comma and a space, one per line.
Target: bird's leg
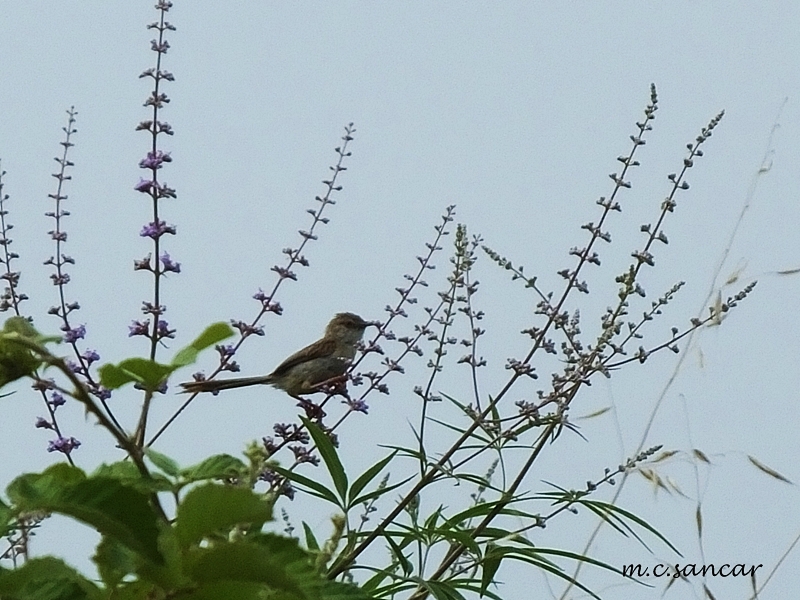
337, 385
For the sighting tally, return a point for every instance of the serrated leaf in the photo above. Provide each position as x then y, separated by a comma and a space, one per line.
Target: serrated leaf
147, 373
46, 578
114, 561
220, 466
126, 472
213, 334
163, 462
212, 508
276, 562
104, 503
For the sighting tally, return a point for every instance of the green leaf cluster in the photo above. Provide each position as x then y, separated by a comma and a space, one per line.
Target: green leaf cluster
214, 547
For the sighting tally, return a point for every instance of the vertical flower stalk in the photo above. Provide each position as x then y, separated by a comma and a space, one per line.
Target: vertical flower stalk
11, 298
60, 278
158, 262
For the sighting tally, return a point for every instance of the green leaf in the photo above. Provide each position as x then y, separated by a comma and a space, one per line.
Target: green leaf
114, 561
46, 578
163, 462
210, 508
401, 558
361, 482
311, 540
126, 473
610, 509
213, 334
490, 563
442, 590
275, 562
314, 487
329, 456
220, 466
104, 503
147, 373
17, 359
238, 590
6, 518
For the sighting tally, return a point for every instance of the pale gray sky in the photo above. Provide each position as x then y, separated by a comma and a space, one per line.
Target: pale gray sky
513, 111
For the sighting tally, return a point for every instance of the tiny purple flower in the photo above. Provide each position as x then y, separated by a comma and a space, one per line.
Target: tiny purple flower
138, 328
357, 406
156, 229
303, 455
56, 400
42, 423
73, 334
269, 445
90, 356
62, 279
154, 160
164, 191
169, 264
63, 445
149, 309
100, 392
164, 331
143, 265
160, 48
144, 185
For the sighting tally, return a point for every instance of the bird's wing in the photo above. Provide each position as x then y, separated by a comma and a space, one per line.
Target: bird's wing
319, 349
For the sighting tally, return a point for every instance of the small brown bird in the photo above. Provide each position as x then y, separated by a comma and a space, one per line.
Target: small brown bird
305, 370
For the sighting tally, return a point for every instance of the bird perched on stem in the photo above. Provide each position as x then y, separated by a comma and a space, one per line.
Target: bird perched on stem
305, 371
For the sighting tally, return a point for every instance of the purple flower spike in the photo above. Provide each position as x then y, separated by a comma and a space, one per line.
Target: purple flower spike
63, 445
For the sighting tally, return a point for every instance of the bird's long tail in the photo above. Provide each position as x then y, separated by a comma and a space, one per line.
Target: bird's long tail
216, 385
